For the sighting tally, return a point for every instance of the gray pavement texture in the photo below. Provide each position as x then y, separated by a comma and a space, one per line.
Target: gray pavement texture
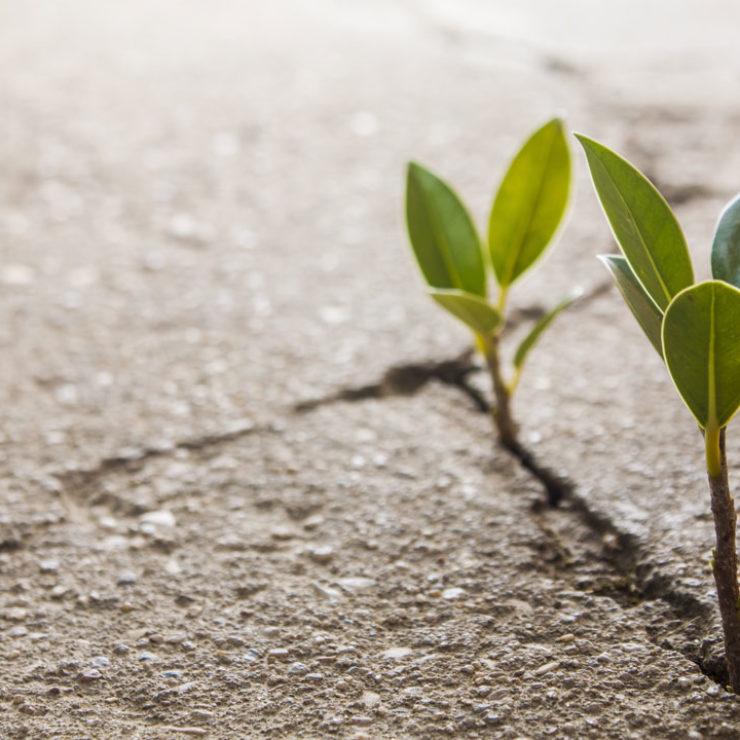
200, 229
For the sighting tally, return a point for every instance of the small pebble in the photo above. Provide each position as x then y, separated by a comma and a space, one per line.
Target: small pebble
172, 567
453, 593
90, 674
547, 668
321, 554
99, 661
329, 593
396, 653
126, 579
49, 566
356, 584
298, 668
314, 521
15, 614
160, 518
202, 714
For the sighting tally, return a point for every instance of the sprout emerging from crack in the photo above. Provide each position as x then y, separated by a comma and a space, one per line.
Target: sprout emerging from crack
527, 210
695, 329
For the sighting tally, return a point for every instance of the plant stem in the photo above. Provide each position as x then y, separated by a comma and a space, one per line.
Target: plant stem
501, 410
724, 564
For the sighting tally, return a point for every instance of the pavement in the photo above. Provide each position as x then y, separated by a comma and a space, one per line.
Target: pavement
201, 227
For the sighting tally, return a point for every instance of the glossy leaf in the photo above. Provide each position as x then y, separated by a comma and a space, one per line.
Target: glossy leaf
643, 224
643, 307
726, 246
529, 341
530, 202
444, 239
701, 340
471, 309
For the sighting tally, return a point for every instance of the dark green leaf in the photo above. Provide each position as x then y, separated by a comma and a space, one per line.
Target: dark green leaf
726, 246
471, 309
643, 224
530, 202
643, 307
442, 234
529, 341
701, 340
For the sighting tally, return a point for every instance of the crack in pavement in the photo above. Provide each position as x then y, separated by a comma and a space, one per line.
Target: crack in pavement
135, 456
636, 579
407, 380
634, 576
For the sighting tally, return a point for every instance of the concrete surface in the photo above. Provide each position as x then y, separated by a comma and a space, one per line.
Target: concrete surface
200, 227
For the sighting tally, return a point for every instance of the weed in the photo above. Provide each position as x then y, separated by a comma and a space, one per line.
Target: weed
526, 212
695, 328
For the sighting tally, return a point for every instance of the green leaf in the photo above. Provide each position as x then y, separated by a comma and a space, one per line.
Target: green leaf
643, 223
529, 341
530, 202
726, 246
701, 341
471, 309
643, 307
442, 234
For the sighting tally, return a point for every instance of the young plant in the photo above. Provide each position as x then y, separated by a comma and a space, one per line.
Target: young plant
695, 328
526, 212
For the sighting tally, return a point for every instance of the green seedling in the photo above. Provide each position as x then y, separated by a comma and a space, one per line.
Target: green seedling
695, 328
526, 213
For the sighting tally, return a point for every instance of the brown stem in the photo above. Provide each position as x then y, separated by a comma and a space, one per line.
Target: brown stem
501, 411
724, 565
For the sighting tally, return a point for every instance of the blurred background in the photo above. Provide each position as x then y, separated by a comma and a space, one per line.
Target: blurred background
201, 203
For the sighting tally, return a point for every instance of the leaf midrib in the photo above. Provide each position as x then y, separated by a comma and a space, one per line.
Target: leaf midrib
711, 366
439, 234
516, 253
637, 229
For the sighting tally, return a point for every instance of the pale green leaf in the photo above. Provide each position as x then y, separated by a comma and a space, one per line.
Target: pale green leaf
529, 341
643, 307
442, 234
471, 309
701, 341
530, 202
726, 246
643, 224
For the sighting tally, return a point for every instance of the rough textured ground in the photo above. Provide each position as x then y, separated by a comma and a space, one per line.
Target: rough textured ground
222, 512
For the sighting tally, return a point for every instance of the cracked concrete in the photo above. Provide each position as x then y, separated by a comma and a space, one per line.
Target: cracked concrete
200, 228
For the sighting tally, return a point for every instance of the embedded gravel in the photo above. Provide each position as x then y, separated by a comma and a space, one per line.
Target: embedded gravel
200, 230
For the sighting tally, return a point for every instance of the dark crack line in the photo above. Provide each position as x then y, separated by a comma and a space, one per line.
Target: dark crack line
407, 380
137, 456
637, 578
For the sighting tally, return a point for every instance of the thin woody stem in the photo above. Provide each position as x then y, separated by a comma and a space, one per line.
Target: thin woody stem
724, 563
501, 411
